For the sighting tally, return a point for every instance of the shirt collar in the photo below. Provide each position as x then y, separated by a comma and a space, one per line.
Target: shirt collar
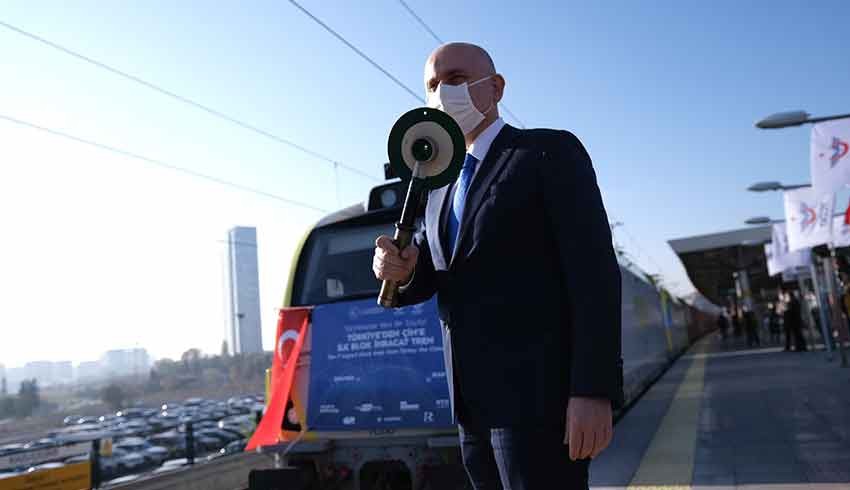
481, 145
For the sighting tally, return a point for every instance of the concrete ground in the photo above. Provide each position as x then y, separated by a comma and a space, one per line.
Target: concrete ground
727, 417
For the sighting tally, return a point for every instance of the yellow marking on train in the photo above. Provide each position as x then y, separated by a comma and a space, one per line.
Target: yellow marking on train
668, 463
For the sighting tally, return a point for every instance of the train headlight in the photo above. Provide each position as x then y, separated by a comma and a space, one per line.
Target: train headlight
389, 198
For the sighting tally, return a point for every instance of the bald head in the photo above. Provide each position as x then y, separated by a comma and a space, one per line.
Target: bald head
458, 63
471, 56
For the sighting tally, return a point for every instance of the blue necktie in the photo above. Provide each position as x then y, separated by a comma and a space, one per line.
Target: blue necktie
466, 173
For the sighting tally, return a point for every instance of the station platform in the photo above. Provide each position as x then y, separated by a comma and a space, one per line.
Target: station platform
727, 417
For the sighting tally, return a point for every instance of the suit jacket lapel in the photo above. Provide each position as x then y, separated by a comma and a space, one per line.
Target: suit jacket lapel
492, 165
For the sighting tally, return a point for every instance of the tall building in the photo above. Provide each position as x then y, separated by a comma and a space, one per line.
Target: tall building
89, 370
123, 362
47, 373
243, 292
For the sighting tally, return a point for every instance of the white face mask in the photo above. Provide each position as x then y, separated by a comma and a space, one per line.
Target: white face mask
456, 102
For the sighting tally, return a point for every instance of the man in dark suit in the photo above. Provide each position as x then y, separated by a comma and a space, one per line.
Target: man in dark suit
519, 253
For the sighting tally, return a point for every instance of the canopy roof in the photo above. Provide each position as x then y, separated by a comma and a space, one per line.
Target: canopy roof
710, 260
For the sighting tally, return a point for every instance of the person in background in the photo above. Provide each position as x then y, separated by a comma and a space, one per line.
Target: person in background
736, 322
722, 324
845, 296
774, 323
751, 326
792, 320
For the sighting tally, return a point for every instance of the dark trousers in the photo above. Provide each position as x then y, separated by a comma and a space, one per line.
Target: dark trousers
796, 332
520, 459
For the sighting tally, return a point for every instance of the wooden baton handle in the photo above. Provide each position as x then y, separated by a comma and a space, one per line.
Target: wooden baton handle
389, 289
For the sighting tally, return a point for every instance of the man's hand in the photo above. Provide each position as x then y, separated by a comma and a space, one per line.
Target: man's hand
589, 426
390, 265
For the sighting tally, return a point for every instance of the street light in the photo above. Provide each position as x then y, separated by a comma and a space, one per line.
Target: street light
793, 118
763, 220
774, 186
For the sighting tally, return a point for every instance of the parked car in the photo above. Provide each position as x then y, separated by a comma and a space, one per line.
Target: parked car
234, 447
193, 402
124, 461
41, 443
174, 441
11, 448
152, 454
131, 413
122, 479
205, 444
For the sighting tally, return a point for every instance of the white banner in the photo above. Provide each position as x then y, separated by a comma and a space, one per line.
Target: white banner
772, 267
840, 232
829, 156
808, 214
784, 259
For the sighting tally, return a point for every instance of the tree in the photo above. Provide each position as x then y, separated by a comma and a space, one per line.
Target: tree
114, 396
7, 406
224, 350
191, 360
28, 398
154, 382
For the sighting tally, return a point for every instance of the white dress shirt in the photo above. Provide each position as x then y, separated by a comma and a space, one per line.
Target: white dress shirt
483, 141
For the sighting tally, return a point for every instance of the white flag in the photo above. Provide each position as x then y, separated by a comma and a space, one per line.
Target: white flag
772, 266
840, 233
808, 214
829, 156
785, 260
779, 240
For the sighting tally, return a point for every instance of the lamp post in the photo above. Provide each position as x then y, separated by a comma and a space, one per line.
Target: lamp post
762, 220
794, 118
774, 186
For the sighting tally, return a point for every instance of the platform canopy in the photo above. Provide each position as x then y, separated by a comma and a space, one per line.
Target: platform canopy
710, 260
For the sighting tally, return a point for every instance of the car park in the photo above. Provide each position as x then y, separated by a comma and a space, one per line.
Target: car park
145, 438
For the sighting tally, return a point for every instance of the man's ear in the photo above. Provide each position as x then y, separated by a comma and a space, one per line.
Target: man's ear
499, 80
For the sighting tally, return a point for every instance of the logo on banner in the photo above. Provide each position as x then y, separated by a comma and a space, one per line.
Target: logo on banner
809, 217
284, 348
839, 151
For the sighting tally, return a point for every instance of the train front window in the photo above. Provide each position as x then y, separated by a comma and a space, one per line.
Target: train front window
337, 264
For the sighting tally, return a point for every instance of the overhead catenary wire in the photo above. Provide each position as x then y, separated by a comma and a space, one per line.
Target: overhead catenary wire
163, 164
209, 110
359, 53
643, 252
440, 41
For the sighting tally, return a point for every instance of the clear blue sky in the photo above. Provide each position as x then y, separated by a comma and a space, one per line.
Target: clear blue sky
103, 251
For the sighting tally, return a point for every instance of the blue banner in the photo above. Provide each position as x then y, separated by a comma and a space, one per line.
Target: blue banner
376, 368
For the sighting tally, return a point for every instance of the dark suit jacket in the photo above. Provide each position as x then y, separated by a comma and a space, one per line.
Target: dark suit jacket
530, 300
